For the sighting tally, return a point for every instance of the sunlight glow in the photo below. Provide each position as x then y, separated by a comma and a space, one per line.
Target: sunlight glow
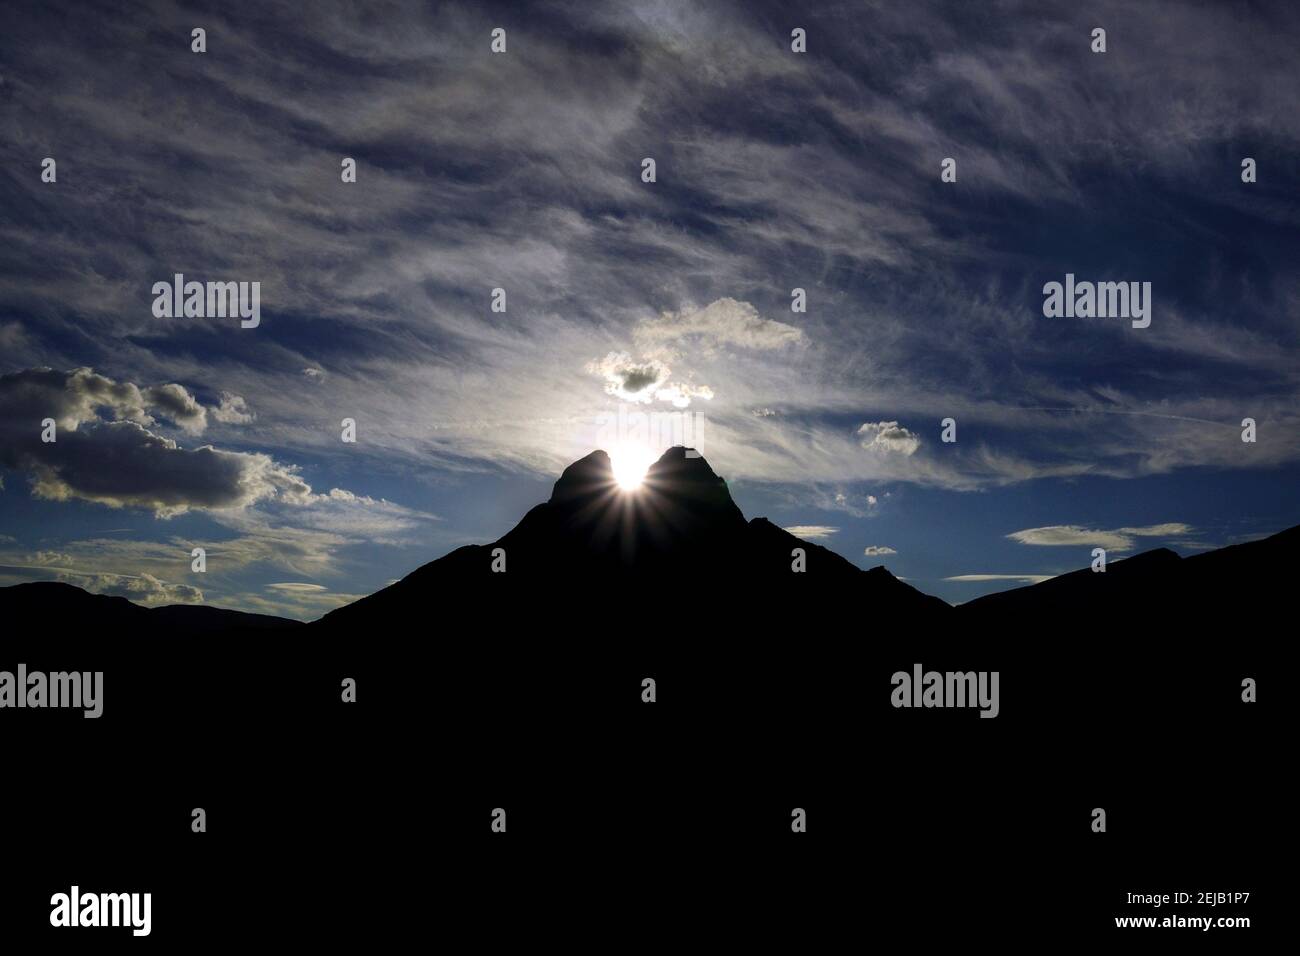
629, 461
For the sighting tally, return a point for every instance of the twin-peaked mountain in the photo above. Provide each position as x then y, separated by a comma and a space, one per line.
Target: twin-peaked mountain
676, 545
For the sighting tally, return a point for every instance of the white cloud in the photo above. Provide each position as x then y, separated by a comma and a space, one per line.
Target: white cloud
723, 322
644, 380
888, 437
833, 498
681, 395
49, 558
233, 410
140, 588
1025, 578
300, 603
878, 550
1119, 539
812, 531
629, 380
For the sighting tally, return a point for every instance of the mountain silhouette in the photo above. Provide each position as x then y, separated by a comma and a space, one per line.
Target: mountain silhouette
679, 535
44, 606
678, 553
1227, 587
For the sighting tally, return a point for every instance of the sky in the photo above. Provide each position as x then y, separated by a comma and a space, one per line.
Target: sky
673, 300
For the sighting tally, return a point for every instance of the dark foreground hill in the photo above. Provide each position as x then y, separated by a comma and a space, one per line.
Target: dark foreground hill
525, 689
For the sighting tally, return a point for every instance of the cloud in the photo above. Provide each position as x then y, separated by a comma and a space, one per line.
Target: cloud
888, 437
360, 517
812, 531
853, 503
1025, 578
1120, 539
878, 550
49, 558
690, 334
12, 337
233, 410
723, 322
913, 310
115, 459
142, 589
175, 403
632, 381
74, 397
1192, 545
303, 603
644, 381
681, 395
315, 537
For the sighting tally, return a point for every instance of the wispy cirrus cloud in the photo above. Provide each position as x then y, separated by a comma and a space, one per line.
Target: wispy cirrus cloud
762, 189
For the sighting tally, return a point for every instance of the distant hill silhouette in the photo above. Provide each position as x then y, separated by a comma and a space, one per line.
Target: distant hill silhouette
678, 556
70, 611
1231, 587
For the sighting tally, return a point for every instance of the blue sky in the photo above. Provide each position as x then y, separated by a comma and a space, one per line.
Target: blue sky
522, 171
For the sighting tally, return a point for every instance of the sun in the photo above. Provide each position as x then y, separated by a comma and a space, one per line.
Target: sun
629, 462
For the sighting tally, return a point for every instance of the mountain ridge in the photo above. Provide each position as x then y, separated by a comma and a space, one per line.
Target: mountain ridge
682, 536
681, 527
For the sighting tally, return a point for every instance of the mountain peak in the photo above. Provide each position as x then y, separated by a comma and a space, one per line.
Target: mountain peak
684, 477
586, 476
683, 462
680, 473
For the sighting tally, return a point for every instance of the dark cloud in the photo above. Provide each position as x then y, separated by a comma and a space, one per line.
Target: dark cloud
178, 405
630, 379
104, 452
